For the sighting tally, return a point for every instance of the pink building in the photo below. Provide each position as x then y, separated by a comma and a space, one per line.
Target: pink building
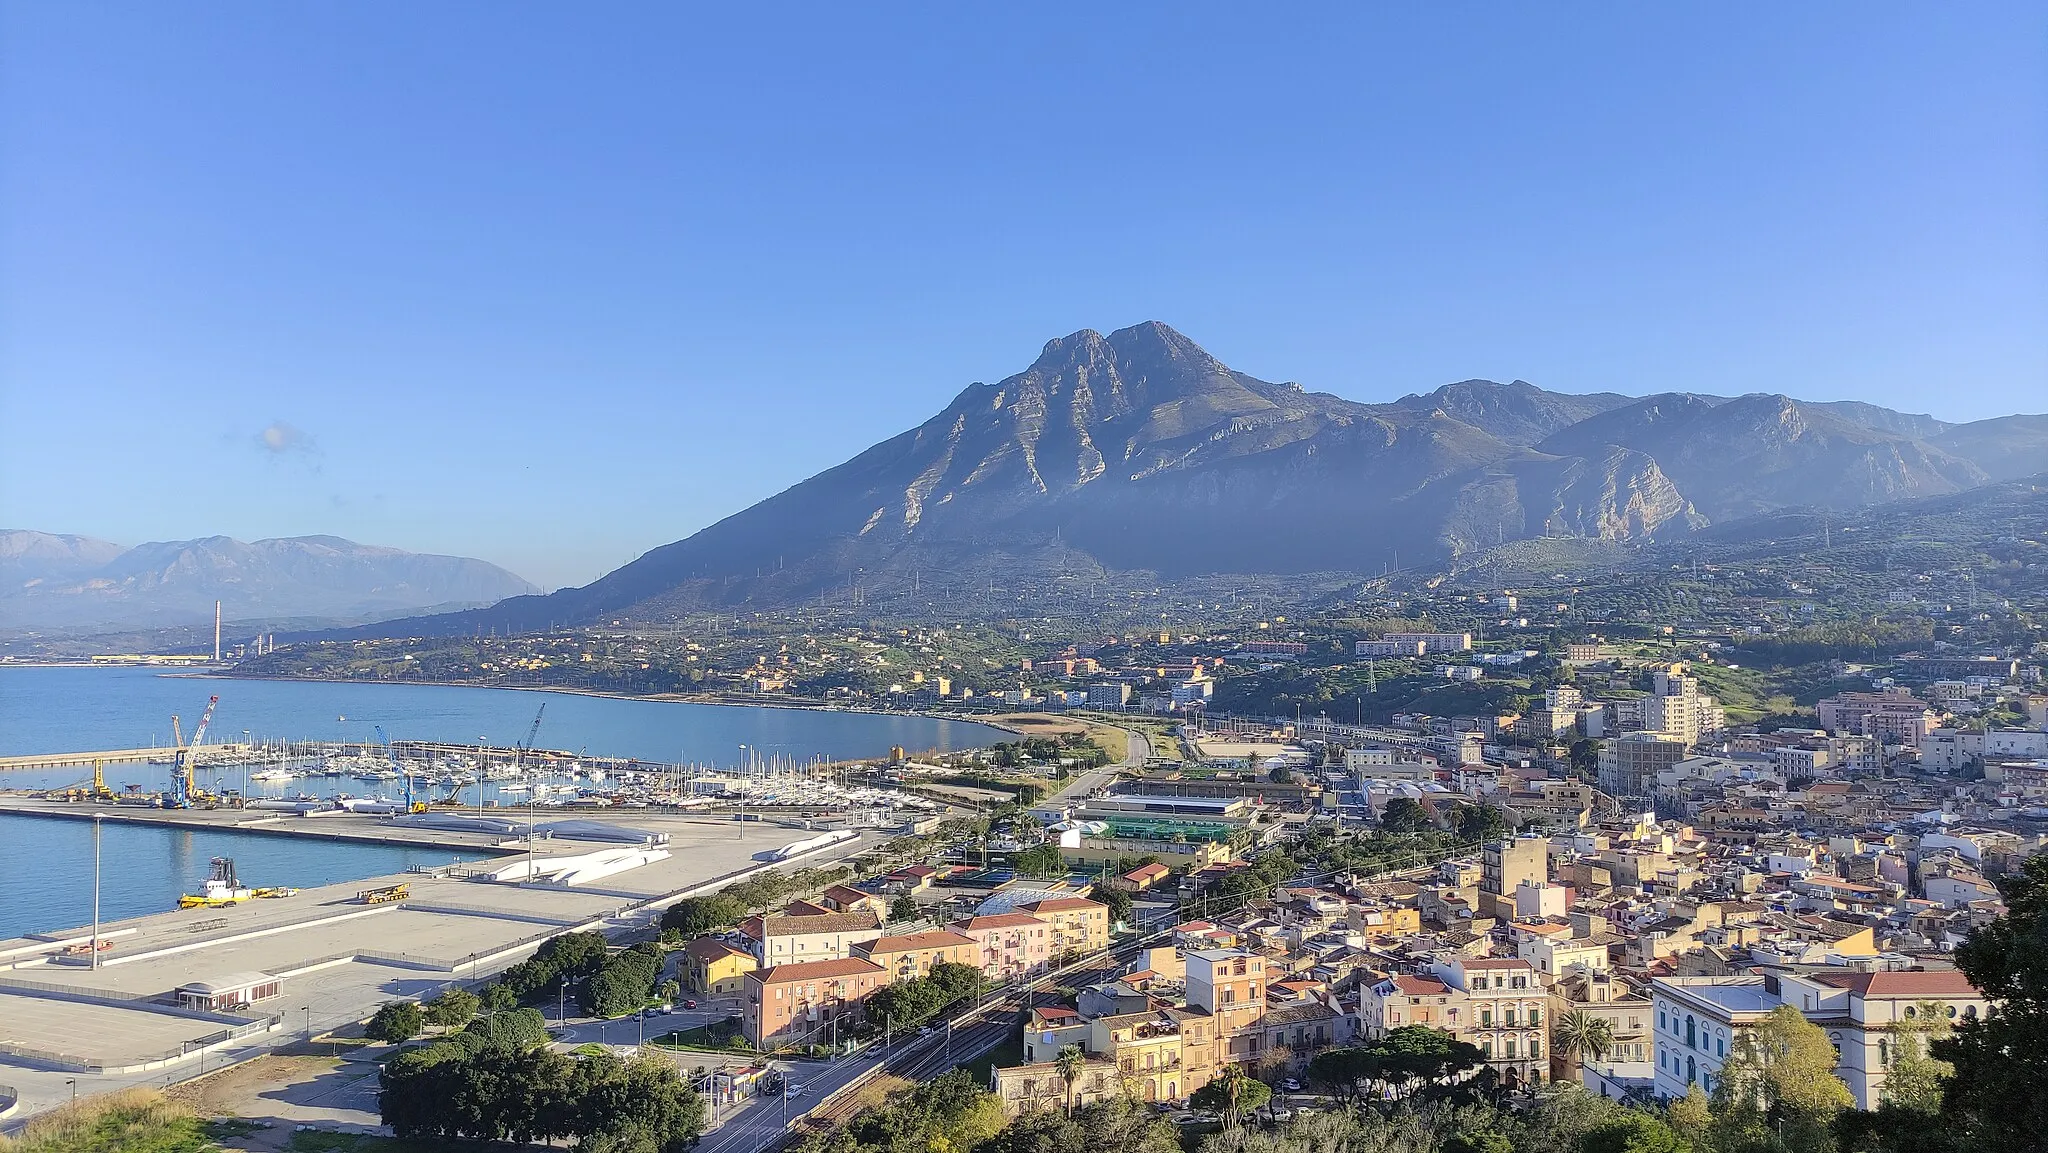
1009, 944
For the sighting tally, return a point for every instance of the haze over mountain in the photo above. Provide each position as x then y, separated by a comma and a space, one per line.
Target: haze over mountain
57, 582
1138, 451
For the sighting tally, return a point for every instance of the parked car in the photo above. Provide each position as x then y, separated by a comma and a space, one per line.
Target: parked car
1290, 1085
689, 1004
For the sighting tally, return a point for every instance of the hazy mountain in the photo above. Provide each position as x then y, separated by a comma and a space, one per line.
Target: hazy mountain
26, 555
1138, 451
2007, 447
58, 582
1756, 453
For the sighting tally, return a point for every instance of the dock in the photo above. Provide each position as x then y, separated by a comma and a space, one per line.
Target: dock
105, 756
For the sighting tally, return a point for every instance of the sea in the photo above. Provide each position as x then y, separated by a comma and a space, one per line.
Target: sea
46, 864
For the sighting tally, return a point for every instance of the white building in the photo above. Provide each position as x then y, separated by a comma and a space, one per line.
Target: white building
1697, 1020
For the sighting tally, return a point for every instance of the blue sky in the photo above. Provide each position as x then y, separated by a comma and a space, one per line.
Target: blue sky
554, 285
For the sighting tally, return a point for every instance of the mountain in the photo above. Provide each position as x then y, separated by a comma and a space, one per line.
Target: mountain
1138, 452
52, 582
38, 556
1760, 452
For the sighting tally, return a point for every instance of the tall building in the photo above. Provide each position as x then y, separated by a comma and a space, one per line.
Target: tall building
1629, 764
1506, 864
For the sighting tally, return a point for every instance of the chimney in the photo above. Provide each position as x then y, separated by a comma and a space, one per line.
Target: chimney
216, 632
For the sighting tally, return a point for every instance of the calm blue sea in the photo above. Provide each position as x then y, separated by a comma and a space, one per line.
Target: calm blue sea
46, 865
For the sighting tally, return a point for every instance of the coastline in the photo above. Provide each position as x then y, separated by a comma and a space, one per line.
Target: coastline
714, 700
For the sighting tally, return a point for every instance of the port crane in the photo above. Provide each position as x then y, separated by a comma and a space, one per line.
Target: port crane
520, 752
182, 791
391, 751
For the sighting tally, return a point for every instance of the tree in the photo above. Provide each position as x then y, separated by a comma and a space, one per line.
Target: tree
497, 998
669, 992
696, 916
1691, 1116
904, 908
1232, 1095
396, 1021
1405, 815
1633, 1131
452, 1009
1915, 1079
1043, 860
1994, 1099
1121, 906
1068, 1065
1779, 1081
1580, 1034
1481, 823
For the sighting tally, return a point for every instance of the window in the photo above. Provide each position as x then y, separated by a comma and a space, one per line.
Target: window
1660, 1018
1510, 1018
1508, 1048
1479, 984
1486, 1018
1535, 1047
1692, 1040
1535, 1018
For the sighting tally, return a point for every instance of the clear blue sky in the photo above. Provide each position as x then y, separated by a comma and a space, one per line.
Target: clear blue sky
555, 284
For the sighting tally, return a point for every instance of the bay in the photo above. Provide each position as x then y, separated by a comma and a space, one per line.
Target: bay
46, 864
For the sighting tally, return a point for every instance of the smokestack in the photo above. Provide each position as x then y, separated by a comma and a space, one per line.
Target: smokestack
216, 632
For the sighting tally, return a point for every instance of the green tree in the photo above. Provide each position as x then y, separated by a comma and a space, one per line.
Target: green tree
396, 1021
1916, 1077
696, 916
1633, 1131
1119, 903
1405, 815
1994, 1100
904, 908
1579, 1035
1068, 1064
1233, 1095
1481, 823
452, 1009
1779, 1083
1043, 860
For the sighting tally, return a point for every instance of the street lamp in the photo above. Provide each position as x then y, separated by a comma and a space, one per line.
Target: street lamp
74, 1090
562, 1005
308, 1011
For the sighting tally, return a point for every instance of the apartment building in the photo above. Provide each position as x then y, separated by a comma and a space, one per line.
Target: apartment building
781, 939
1698, 1019
809, 1002
1008, 944
1077, 924
914, 954
1505, 1007
712, 968
1230, 986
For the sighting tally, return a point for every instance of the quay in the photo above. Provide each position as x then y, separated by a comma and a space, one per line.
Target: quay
106, 756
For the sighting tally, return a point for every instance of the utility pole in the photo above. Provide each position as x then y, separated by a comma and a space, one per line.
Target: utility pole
96, 819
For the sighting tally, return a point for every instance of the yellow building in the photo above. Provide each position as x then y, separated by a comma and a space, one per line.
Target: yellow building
914, 954
1079, 925
712, 968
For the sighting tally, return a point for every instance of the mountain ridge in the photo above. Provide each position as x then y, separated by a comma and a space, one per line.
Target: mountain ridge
1138, 451
51, 581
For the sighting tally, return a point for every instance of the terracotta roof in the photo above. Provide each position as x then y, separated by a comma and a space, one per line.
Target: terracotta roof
806, 909
1496, 963
998, 921
936, 939
1928, 983
1142, 872
784, 926
816, 970
847, 895
712, 949
1064, 905
1419, 986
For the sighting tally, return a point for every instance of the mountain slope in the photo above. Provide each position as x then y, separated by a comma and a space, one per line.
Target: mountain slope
27, 555
1760, 452
1139, 452
176, 582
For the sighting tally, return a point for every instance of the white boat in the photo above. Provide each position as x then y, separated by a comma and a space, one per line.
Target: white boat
273, 775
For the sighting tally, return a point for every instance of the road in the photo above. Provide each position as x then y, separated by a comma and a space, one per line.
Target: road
765, 1121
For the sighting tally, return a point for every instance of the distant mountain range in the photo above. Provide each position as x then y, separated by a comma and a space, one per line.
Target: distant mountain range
1140, 452
53, 582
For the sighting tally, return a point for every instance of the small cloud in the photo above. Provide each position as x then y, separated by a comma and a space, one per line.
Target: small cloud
280, 438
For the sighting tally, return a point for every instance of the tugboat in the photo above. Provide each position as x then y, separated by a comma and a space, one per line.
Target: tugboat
224, 888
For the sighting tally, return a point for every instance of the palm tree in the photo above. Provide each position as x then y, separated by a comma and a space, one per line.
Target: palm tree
1068, 1066
1580, 1034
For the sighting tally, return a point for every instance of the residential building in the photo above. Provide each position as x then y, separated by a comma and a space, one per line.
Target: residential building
914, 954
1506, 864
1078, 925
712, 968
1504, 1005
1009, 944
808, 1003
1031, 1088
1230, 986
779, 939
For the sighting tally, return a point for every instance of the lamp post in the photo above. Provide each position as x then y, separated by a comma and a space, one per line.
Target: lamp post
308, 1011
746, 778
562, 1006
74, 1090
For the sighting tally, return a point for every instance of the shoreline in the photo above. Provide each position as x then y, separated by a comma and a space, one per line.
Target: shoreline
708, 700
